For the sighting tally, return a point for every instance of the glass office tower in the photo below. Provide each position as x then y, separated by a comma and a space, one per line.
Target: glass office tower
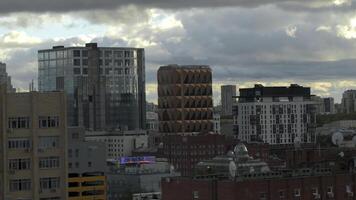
105, 86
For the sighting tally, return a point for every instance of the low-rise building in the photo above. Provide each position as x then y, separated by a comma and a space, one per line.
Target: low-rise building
132, 175
184, 152
119, 143
87, 186
238, 176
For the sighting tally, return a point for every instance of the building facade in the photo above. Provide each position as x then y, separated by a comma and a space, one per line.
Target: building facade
324, 105
87, 186
33, 145
127, 179
185, 103
184, 152
228, 93
216, 120
105, 86
119, 144
5, 78
275, 115
348, 101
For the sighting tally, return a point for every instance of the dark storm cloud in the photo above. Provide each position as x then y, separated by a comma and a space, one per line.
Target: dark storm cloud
7, 6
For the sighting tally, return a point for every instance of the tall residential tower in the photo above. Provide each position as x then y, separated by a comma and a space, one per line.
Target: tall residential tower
228, 93
276, 115
105, 86
185, 103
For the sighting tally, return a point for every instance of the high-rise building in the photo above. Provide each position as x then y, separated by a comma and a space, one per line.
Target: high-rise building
185, 103
348, 102
324, 105
33, 145
105, 86
5, 78
276, 115
228, 92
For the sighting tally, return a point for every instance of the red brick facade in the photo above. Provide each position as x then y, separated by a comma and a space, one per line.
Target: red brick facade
294, 188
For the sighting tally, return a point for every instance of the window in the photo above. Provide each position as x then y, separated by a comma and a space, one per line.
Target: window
281, 194
195, 194
77, 153
70, 165
20, 185
70, 154
108, 54
314, 190
49, 183
118, 54
89, 164
85, 62
297, 192
76, 70
48, 121
20, 164
85, 70
49, 162
263, 196
48, 142
76, 62
76, 53
85, 53
19, 143
19, 122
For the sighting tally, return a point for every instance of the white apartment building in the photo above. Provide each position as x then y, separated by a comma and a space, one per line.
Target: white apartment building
119, 144
275, 115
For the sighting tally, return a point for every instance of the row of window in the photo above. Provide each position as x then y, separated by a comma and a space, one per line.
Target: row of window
24, 122
26, 184
25, 163
51, 55
44, 142
117, 71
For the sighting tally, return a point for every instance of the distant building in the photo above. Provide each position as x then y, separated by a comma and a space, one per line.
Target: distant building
184, 152
276, 115
228, 93
348, 102
128, 179
324, 105
105, 86
185, 103
33, 145
151, 107
216, 120
152, 121
5, 78
119, 143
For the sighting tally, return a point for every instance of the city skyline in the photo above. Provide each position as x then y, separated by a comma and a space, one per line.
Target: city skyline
245, 42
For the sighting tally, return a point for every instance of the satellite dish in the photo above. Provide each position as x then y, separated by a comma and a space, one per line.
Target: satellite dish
337, 138
232, 169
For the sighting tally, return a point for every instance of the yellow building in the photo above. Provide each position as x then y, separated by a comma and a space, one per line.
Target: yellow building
87, 187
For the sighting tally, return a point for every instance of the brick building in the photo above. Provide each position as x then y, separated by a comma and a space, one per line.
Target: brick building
336, 186
184, 152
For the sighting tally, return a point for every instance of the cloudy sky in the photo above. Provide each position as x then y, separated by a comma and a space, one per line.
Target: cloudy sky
274, 42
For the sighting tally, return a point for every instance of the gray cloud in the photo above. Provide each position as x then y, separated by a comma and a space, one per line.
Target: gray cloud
7, 6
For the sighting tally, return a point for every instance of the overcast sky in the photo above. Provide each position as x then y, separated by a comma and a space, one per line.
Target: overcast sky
274, 42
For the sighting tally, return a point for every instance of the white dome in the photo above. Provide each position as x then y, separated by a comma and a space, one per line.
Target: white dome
240, 149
